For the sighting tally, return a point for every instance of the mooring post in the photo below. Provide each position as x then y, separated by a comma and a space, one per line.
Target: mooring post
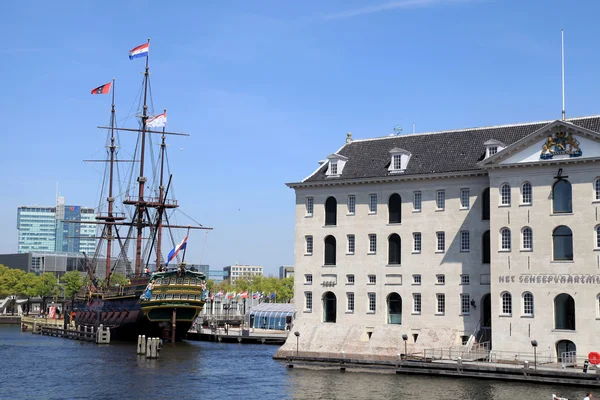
174, 325
148, 347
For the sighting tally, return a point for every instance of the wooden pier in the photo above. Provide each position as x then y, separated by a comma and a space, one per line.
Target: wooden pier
239, 336
56, 328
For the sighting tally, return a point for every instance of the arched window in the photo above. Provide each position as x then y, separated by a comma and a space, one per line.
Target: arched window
506, 303
527, 236
526, 195
564, 312
394, 249
395, 209
505, 194
485, 247
562, 241
329, 250
527, 304
598, 237
485, 204
504, 239
562, 197
331, 211
394, 303
597, 189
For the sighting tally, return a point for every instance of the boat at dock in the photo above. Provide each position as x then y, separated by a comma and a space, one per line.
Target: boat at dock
161, 298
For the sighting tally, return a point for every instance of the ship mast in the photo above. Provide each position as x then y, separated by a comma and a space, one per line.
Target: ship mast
110, 199
141, 206
161, 195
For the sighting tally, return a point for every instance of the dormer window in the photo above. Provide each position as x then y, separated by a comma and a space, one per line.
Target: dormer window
333, 168
492, 147
336, 165
399, 161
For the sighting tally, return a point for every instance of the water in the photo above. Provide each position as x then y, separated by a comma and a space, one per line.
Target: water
40, 367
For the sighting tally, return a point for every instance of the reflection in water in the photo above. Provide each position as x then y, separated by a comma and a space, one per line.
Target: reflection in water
42, 367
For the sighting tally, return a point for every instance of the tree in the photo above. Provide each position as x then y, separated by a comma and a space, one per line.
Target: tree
118, 279
10, 284
72, 282
46, 287
28, 287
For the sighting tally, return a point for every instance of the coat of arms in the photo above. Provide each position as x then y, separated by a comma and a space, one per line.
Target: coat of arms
560, 143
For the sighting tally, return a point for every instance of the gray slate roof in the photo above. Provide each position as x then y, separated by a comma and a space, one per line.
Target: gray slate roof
433, 153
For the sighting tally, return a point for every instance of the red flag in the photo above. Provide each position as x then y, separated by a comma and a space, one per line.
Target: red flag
104, 89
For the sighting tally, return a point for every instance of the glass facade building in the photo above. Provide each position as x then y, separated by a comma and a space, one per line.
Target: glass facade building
43, 228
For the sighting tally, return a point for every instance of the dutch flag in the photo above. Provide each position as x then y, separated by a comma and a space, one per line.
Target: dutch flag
139, 51
173, 253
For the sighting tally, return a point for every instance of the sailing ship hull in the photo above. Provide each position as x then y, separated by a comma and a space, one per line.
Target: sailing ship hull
177, 298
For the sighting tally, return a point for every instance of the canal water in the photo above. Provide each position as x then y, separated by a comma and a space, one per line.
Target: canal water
40, 367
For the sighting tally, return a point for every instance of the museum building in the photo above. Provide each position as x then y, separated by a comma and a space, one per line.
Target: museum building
484, 235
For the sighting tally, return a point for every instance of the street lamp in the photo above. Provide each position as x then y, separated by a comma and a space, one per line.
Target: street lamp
297, 341
534, 343
405, 338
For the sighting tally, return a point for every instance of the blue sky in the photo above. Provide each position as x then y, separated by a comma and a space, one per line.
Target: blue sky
268, 88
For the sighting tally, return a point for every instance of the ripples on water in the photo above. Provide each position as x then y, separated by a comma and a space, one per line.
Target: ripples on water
40, 367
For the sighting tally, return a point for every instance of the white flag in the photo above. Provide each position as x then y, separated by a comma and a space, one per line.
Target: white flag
159, 121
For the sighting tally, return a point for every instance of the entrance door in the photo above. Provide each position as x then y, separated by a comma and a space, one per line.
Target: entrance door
486, 311
329, 307
565, 350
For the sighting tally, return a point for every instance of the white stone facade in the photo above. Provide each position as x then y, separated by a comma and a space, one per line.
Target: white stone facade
515, 270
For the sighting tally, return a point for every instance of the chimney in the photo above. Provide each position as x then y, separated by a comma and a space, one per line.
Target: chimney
349, 137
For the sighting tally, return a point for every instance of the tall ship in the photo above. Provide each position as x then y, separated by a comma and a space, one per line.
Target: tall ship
161, 297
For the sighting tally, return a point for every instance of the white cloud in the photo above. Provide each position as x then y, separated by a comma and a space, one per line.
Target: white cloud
392, 5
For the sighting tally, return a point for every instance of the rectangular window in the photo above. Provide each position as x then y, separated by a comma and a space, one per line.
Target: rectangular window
441, 303
440, 279
333, 168
465, 304
372, 243
372, 279
309, 206
417, 201
309, 244
308, 279
350, 279
351, 204
440, 199
417, 242
416, 303
372, 204
441, 241
372, 304
465, 241
528, 304
492, 150
465, 279
350, 301
465, 201
397, 161
416, 279
350, 244
308, 301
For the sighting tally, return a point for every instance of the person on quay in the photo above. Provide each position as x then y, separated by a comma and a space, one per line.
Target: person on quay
588, 396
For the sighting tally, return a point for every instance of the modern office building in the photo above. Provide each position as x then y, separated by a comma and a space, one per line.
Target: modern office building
488, 235
285, 271
43, 229
55, 262
233, 272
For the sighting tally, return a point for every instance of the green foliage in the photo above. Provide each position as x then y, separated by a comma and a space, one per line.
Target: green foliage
28, 284
10, 281
118, 278
72, 281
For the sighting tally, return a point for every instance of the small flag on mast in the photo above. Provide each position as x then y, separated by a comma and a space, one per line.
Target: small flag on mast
103, 89
159, 121
139, 51
173, 253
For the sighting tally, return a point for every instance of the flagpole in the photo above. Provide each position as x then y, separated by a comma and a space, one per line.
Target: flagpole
184, 250
564, 114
